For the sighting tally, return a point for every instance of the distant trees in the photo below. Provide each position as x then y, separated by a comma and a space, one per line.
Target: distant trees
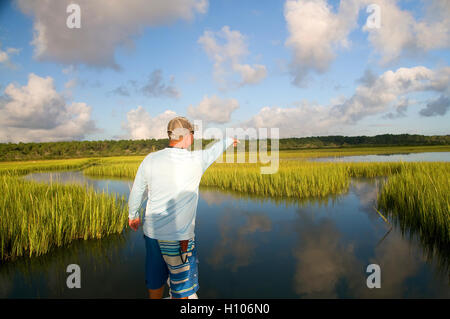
73, 149
378, 140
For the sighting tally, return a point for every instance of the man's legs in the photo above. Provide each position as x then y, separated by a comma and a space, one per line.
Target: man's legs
156, 272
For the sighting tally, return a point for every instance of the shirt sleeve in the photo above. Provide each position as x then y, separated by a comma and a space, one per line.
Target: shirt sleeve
137, 192
211, 154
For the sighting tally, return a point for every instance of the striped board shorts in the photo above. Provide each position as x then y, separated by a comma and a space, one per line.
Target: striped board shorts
164, 259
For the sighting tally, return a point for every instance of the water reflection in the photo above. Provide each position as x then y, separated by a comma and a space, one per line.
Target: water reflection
330, 266
105, 271
214, 196
235, 248
400, 260
311, 250
326, 265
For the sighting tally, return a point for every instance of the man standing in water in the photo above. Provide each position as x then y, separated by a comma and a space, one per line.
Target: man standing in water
171, 177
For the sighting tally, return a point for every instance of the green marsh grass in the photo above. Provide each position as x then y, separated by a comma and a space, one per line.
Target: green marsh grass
35, 217
419, 201
120, 167
293, 180
124, 170
25, 167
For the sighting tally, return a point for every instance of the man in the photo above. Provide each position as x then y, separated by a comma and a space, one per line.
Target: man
171, 177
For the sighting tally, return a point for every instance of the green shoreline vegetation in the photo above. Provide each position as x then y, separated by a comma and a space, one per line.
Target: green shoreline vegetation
419, 199
36, 217
25, 167
416, 195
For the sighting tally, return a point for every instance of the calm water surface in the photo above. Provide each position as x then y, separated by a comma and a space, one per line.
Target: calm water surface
248, 248
409, 157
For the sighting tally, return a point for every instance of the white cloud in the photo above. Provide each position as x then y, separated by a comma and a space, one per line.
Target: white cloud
384, 93
213, 109
302, 120
140, 125
386, 89
5, 57
249, 74
70, 84
227, 58
401, 32
36, 112
105, 25
315, 33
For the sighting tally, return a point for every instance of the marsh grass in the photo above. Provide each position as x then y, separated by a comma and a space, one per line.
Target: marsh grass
120, 167
293, 180
418, 199
35, 217
25, 167
119, 170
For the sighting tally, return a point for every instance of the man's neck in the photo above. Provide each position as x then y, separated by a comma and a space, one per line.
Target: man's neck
174, 145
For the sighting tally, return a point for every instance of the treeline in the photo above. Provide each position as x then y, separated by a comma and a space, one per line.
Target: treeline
77, 149
360, 141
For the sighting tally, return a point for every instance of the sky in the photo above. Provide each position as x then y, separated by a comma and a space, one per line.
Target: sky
113, 69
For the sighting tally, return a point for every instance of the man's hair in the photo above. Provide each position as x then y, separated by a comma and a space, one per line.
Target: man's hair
178, 127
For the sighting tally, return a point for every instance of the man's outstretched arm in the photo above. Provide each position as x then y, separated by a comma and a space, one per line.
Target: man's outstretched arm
211, 154
136, 196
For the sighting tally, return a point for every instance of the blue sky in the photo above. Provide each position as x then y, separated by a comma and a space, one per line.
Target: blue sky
242, 75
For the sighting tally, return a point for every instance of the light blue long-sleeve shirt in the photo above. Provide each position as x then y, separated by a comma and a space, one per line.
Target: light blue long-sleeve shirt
171, 178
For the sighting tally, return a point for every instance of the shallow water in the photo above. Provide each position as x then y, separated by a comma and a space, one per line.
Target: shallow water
409, 157
247, 248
